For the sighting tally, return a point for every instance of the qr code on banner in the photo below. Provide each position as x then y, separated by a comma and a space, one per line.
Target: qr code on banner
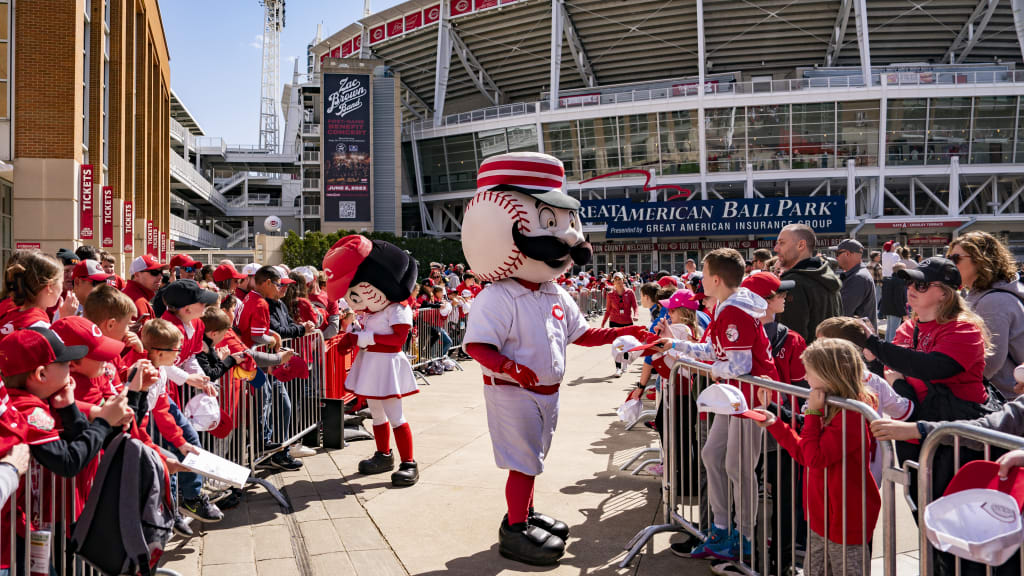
346, 209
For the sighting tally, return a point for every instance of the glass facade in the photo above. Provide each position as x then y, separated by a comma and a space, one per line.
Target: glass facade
820, 135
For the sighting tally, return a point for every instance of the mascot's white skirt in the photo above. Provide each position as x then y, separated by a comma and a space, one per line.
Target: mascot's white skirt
380, 375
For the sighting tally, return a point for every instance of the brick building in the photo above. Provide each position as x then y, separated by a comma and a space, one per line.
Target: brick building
82, 83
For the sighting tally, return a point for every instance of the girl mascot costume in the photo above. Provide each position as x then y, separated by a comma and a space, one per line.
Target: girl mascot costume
521, 231
376, 278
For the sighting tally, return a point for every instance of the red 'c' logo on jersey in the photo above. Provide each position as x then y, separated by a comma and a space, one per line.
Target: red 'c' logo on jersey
557, 312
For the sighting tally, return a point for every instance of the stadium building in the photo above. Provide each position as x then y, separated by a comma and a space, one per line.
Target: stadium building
686, 126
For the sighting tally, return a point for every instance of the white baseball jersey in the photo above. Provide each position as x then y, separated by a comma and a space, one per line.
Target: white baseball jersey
531, 327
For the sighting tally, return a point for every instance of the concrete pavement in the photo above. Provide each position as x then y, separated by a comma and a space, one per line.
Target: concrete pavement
345, 523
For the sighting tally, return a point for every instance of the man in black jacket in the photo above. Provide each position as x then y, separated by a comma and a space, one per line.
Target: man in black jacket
815, 295
894, 302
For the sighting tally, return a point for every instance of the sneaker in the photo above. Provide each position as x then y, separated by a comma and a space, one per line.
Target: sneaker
201, 509
271, 446
618, 373
300, 451
651, 425
685, 548
717, 538
730, 548
181, 527
282, 461
725, 568
229, 500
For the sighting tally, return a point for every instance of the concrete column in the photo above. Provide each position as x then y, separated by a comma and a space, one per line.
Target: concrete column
556, 54
851, 190
954, 186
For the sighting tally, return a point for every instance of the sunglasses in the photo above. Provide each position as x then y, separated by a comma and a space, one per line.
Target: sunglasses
922, 286
155, 272
955, 258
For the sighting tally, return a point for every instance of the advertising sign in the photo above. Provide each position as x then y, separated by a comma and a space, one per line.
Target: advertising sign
357, 43
129, 227
628, 219
376, 34
413, 21
579, 100
395, 27
460, 7
28, 246
346, 148
107, 217
432, 14
85, 202
483, 4
925, 224
150, 244
346, 49
163, 245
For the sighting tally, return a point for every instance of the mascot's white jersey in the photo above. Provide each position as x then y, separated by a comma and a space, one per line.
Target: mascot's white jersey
380, 375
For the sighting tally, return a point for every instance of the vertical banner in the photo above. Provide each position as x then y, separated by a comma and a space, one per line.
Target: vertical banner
85, 202
163, 247
129, 227
346, 148
107, 217
149, 238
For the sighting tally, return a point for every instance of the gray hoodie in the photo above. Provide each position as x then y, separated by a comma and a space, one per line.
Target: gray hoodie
1004, 317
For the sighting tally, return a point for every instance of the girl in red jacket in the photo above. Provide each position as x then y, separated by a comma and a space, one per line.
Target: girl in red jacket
834, 447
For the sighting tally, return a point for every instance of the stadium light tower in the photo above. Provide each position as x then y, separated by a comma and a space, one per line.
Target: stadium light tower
273, 22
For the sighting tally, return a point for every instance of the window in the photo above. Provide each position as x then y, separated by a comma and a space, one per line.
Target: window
680, 145
638, 138
599, 147
491, 143
991, 137
857, 133
949, 123
768, 137
725, 139
813, 138
522, 138
462, 161
432, 166
560, 142
906, 131
6, 234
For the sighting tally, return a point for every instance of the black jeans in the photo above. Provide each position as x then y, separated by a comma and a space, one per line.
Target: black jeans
618, 365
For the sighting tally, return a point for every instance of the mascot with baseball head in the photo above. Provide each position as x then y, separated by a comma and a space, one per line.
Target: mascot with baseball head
376, 278
521, 231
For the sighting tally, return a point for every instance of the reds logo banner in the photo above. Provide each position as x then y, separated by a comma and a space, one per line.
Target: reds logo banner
432, 14
357, 43
85, 202
129, 227
336, 53
413, 21
376, 34
107, 217
460, 7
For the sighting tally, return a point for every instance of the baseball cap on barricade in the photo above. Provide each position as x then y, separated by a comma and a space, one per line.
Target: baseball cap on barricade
226, 272
77, 331
25, 350
978, 517
538, 175
934, 269
90, 269
728, 400
144, 263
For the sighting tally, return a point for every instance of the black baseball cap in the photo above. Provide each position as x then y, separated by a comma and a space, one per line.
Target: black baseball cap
934, 269
181, 293
67, 257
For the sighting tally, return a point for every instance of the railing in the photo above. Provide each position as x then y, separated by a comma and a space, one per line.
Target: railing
310, 129
184, 172
308, 211
310, 183
195, 233
178, 131
229, 183
211, 145
311, 156
242, 234
260, 199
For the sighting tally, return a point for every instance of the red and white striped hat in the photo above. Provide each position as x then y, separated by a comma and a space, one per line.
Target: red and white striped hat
538, 175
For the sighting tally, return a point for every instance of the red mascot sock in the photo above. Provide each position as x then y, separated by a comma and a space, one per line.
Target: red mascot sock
403, 440
530, 507
382, 436
517, 496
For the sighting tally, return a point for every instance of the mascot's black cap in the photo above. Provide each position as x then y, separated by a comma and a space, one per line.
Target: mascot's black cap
355, 259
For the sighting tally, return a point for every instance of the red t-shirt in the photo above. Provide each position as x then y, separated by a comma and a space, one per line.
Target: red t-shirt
308, 312
254, 319
6, 305
961, 341
117, 282
787, 362
474, 289
734, 329
141, 297
16, 319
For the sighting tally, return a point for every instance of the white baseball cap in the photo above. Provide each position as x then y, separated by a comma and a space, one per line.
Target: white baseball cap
203, 412
466, 293
978, 517
621, 347
728, 400
308, 272
250, 269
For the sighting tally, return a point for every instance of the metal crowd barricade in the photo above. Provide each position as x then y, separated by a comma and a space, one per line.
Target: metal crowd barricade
960, 435
685, 505
432, 341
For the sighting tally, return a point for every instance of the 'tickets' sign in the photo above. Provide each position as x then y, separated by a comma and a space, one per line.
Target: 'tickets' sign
628, 219
129, 227
85, 202
163, 246
150, 244
107, 217
346, 148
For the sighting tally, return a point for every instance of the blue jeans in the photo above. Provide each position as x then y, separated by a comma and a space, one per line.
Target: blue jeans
283, 418
190, 482
892, 324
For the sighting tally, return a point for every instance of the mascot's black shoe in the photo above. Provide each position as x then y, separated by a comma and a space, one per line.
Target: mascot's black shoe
406, 475
378, 464
555, 527
529, 544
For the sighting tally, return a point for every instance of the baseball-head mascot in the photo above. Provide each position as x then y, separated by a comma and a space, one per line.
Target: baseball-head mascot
521, 231
376, 278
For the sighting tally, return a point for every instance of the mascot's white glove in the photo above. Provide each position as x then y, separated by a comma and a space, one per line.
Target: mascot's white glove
365, 339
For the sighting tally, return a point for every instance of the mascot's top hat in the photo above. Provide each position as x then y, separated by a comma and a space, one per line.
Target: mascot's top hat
538, 175
356, 259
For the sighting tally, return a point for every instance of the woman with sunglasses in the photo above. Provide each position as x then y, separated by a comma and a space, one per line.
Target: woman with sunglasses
989, 273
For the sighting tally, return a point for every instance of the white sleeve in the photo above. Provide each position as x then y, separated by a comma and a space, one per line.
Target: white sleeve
8, 483
740, 362
176, 374
890, 403
575, 322
490, 320
401, 315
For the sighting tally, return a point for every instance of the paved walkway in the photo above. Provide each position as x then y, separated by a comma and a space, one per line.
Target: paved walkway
345, 523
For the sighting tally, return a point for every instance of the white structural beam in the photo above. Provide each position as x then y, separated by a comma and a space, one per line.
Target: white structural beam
860, 12
835, 45
443, 62
1018, 22
476, 71
556, 54
410, 97
971, 32
579, 55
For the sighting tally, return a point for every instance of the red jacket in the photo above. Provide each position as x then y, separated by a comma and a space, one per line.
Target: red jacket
141, 296
819, 449
620, 308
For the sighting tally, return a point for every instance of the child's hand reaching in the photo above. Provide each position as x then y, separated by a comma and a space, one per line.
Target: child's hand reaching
197, 380
662, 329
132, 340
769, 418
145, 376
116, 411
1012, 459
69, 307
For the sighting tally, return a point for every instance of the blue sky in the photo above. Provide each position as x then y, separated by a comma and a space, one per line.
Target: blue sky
215, 54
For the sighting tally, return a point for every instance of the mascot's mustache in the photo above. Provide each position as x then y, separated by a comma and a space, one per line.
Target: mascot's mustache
551, 250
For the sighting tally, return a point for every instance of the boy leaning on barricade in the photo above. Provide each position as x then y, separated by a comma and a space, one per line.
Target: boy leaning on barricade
737, 346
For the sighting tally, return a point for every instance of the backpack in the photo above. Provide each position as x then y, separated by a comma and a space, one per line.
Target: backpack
128, 516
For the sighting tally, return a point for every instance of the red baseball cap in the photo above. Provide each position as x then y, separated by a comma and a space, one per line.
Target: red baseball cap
224, 427
764, 284
668, 281
295, 368
227, 272
77, 331
183, 260
145, 263
25, 350
342, 261
90, 269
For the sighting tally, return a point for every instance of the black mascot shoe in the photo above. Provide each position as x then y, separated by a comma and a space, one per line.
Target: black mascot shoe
555, 527
378, 464
529, 544
406, 475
